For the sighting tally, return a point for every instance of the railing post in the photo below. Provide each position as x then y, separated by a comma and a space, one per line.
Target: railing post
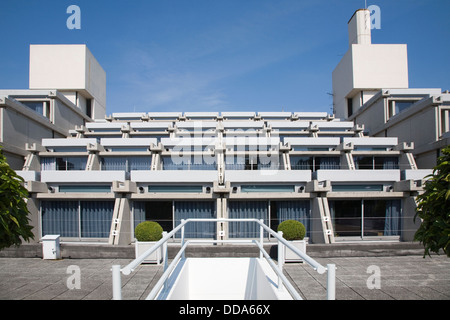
182, 236
261, 237
331, 281
116, 282
165, 253
280, 257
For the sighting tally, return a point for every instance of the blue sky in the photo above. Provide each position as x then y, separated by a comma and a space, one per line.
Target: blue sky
222, 55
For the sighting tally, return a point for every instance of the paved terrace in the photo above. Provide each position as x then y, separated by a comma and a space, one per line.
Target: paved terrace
403, 275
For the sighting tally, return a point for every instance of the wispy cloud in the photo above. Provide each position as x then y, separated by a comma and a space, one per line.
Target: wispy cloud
192, 74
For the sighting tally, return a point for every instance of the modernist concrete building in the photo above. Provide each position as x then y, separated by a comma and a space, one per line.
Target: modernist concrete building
94, 178
370, 87
67, 87
98, 184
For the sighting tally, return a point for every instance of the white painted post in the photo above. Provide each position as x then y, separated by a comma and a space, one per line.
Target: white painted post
261, 237
116, 282
331, 281
165, 252
280, 258
182, 236
164, 249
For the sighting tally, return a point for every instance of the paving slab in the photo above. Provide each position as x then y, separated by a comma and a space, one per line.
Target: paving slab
400, 278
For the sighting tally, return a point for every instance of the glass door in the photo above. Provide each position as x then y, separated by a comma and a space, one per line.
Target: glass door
363, 218
347, 217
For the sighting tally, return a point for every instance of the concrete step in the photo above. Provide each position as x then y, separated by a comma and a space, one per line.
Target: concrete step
97, 251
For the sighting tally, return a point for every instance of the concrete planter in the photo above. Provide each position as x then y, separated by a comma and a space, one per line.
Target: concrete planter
290, 256
142, 246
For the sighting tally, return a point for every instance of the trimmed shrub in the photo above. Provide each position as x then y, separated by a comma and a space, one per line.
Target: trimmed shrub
148, 231
292, 230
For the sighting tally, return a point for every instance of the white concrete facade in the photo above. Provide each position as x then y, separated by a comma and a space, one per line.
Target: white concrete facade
73, 70
270, 166
366, 67
67, 89
370, 88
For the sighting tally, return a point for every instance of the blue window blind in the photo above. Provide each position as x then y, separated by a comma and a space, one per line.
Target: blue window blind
315, 163
96, 217
356, 188
392, 220
189, 162
366, 217
64, 164
298, 210
196, 209
327, 163
60, 217
36, 106
267, 188
48, 164
84, 189
301, 163
71, 163
176, 189
139, 212
246, 209
129, 149
88, 219
126, 163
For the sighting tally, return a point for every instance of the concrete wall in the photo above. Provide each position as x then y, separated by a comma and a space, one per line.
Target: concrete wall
405, 126
407, 129
372, 117
69, 68
367, 68
380, 66
342, 81
66, 118
408, 224
22, 130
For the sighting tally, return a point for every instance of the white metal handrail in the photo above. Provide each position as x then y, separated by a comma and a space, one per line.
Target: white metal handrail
282, 280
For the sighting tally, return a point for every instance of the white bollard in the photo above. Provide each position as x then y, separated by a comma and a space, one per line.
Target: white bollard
116, 282
331, 282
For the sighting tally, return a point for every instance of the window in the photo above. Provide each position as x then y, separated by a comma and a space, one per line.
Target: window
199, 210
366, 218
170, 213
175, 189
267, 188
301, 163
85, 219
247, 209
298, 210
36, 106
262, 161
375, 163
398, 106
64, 163
445, 121
188, 162
159, 211
89, 108
357, 187
40, 107
315, 163
349, 107
401, 106
126, 163
85, 189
